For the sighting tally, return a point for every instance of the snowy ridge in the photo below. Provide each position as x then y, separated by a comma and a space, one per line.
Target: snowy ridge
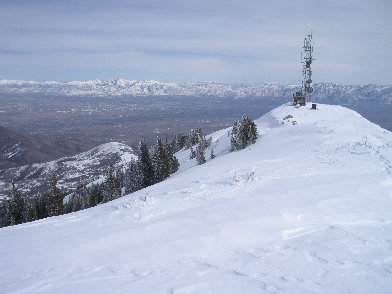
70, 171
156, 88
304, 210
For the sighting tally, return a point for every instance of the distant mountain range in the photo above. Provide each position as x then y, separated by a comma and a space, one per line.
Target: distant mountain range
322, 91
70, 171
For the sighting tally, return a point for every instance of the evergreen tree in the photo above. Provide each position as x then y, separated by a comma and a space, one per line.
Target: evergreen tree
17, 208
95, 195
212, 155
193, 138
200, 153
29, 211
3, 214
160, 162
111, 186
253, 132
243, 133
133, 178
120, 176
145, 165
172, 160
234, 144
56, 206
78, 200
41, 205
192, 153
21, 205
179, 142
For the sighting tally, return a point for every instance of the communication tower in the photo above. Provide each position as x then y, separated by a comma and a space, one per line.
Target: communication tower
302, 96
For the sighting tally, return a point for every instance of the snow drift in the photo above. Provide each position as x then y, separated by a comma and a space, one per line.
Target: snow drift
307, 209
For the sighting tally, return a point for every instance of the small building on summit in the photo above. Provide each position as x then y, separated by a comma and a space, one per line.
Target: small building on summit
299, 99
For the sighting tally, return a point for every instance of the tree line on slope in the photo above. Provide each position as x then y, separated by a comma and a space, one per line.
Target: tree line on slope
243, 133
153, 165
19, 209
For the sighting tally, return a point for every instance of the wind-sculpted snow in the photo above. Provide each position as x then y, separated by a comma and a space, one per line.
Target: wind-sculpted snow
323, 91
307, 209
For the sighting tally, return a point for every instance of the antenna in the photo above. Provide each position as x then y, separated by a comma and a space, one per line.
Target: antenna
307, 83
305, 93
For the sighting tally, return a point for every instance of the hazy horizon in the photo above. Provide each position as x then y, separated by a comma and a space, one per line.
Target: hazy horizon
179, 41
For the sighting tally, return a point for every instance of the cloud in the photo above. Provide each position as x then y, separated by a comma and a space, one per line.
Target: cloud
244, 41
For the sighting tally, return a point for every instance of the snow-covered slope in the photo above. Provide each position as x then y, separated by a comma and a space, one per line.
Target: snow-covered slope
307, 209
70, 171
323, 91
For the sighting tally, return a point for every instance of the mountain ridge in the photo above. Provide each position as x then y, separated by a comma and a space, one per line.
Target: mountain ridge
381, 94
70, 171
306, 209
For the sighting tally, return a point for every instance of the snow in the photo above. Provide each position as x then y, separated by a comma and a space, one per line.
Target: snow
104, 88
307, 209
69, 170
11, 151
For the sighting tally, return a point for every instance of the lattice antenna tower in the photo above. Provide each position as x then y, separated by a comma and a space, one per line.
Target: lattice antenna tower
306, 60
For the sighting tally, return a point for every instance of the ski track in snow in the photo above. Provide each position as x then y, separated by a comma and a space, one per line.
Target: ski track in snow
307, 209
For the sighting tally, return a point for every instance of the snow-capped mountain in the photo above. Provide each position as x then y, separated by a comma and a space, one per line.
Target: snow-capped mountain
307, 209
322, 91
70, 171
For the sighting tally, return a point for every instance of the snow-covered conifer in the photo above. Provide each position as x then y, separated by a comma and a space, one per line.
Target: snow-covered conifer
243, 133
55, 205
212, 155
192, 153
200, 152
145, 164
133, 178
111, 186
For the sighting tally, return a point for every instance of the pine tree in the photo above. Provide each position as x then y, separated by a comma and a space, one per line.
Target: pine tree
17, 208
21, 206
234, 144
133, 178
253, 132
3, 214
120, 176
160, 162
212, 155
200, 153
193, 137
243, 133
192, 153
111, 187
249, 130
56, 206
41, 205
30, 211
145, 165
95, 195
179, 142
172, 160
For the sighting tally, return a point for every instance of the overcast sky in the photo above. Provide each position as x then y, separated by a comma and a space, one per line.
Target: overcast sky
239, 41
